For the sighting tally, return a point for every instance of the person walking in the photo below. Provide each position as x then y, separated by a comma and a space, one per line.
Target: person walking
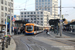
18, 30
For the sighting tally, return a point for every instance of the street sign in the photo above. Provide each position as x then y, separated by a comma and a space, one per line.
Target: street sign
7, 23
61, 20
13, 19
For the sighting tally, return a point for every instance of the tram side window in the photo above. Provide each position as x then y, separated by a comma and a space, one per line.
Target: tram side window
36, 28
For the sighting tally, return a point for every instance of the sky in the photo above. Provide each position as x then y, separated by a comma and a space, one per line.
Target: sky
29, 5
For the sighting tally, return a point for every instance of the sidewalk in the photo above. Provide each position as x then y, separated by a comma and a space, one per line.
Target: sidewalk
12, 45
54, 43
70, 32
53, 35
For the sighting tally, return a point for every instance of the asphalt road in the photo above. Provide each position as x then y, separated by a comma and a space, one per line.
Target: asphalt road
26, 42
69, 34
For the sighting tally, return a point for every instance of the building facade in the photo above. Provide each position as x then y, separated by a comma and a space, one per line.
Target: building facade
17, 17
38, 17
47, 5
5, 10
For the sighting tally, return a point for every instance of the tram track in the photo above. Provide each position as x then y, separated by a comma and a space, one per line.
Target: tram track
33, 45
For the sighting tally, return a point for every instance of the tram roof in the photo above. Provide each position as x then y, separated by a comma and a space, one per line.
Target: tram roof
21, 21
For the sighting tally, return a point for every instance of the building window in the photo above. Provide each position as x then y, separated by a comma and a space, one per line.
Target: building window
36, 6
36, 0
2, 1
41, 15
34, 21
36, 3
37, 18
21, 16
36, 9
37, 21
41, 21
31, 18
48, 8
1, 20
39, 3
8, 9
34, 12
31, 12
34, 18
21, 12
45, 0
11, 4
45, 3
28, 15
45, 8
2, 8
8, 3
25, 16
37, 12
12, 0
24, 12
39, 0
42, 0
12, 10
41, 12
48, 3
5, 14
41, 18
42, 24
27, 12
42, 4
2, 14
5, 8
48, 0
5, 2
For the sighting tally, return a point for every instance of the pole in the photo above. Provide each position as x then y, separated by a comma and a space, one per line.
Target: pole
10, 18
6, 25
60, 21
54, 17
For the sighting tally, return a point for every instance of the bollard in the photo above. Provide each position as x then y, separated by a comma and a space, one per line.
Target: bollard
7, 43
3, 45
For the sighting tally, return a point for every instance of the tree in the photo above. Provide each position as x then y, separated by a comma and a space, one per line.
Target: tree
65, 22
73, 20
8, 20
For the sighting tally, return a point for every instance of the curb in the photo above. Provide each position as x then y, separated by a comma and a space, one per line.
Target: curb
12, 45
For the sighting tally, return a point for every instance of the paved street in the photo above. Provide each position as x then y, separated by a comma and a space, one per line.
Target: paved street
41, 41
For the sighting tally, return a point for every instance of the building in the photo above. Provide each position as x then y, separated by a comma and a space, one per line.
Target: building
38, 17
5, 10
17, 17
47, 5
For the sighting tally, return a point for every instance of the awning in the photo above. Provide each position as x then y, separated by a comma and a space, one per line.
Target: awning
2, 24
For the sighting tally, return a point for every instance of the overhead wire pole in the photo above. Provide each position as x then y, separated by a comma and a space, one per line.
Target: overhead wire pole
10, 18
6, 25
60, 21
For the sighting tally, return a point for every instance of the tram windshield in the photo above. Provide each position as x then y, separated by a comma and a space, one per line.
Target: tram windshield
29, 28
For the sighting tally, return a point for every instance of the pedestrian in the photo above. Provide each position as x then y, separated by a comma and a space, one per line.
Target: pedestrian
47, 31
18, 30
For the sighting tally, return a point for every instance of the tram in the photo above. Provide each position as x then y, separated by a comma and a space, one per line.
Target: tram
31, 28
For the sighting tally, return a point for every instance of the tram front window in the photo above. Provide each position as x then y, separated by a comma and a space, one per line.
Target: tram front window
29, 28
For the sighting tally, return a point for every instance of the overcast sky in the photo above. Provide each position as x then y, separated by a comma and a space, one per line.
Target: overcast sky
29, 5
